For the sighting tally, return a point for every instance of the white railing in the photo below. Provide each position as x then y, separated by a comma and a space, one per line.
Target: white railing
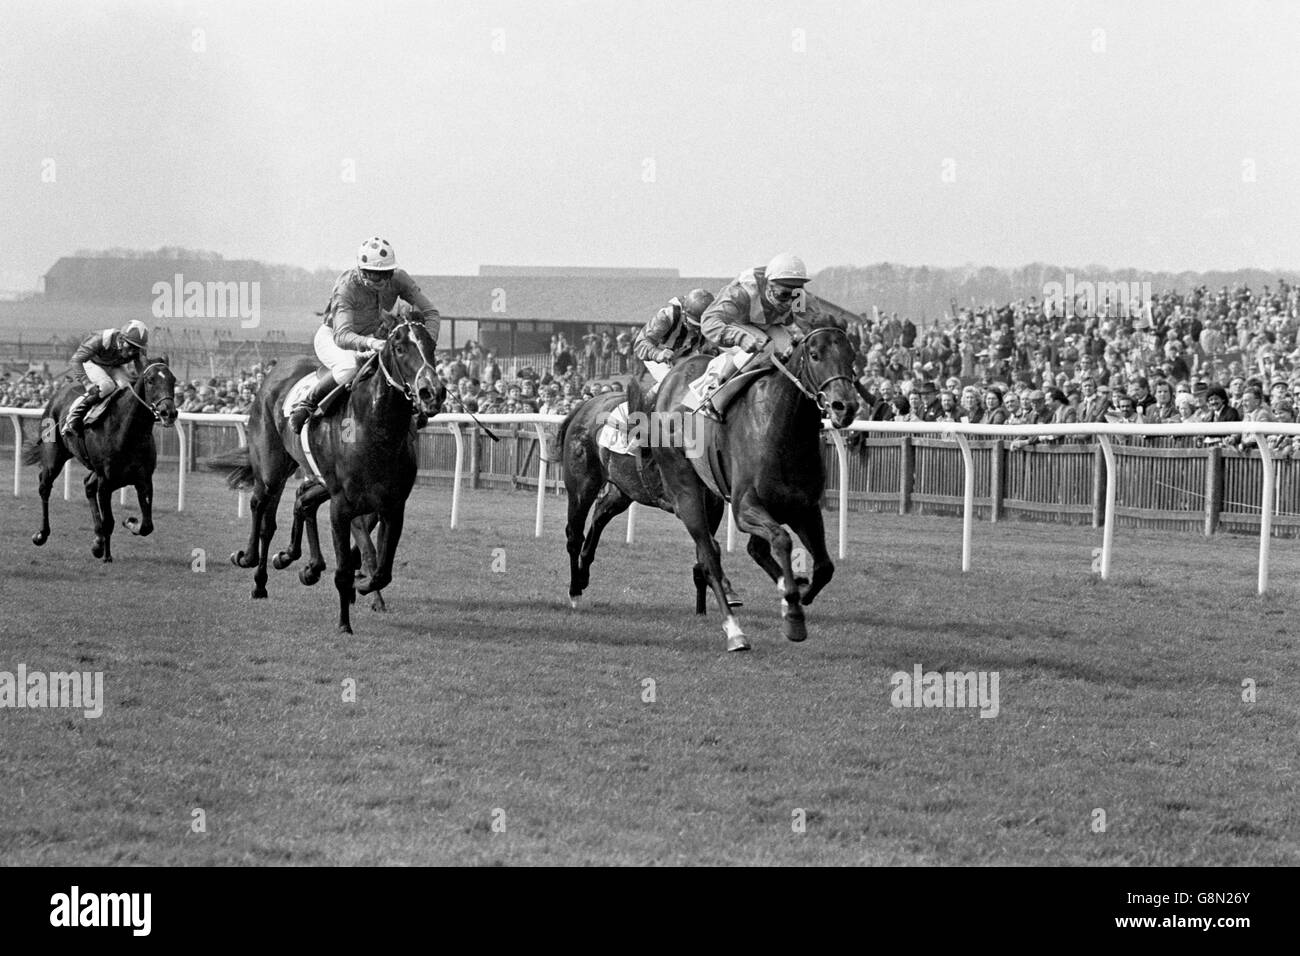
960, 432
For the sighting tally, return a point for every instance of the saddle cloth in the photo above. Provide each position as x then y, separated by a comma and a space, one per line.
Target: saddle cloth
615, 434
301, 389
100, 407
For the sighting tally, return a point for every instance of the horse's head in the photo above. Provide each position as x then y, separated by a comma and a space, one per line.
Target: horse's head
156, 388
407, 360
823, 363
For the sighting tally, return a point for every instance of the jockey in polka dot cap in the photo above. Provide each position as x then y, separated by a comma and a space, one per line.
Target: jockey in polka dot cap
359, 315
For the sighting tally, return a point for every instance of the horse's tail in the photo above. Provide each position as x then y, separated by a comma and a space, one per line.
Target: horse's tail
558, 453
236, 464
32, 451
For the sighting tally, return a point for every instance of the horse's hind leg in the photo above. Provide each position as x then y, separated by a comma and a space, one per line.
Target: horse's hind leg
248, 557
583, 489
611, 503
51, 465
269, 504
715, 508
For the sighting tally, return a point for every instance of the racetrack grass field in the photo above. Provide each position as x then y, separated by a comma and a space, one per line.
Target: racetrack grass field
481, 698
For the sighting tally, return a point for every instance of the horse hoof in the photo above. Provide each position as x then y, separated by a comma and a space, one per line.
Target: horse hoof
132, 524
308, 576
97, 550
575, 600
259, 593
345, 628
240, 560
39, 538
378, 605
794, 629
107, 559
736, 640
734, 599
281, 561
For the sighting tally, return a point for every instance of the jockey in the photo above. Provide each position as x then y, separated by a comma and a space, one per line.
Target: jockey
737, 322
673, 333
100, 363
362, 300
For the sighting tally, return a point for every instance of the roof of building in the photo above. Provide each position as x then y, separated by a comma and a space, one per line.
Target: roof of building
587, 296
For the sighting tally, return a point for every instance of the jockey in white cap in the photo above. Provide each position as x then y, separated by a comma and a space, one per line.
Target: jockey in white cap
736, 322
360, 304
100, 363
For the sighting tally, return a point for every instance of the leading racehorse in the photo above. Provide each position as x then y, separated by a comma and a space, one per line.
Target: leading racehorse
118, 449
361, 458
766, 459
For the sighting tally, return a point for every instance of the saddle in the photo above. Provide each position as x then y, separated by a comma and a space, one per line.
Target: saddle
302, 388
100, 407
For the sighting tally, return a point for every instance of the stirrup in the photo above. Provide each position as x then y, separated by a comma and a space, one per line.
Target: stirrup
708, 411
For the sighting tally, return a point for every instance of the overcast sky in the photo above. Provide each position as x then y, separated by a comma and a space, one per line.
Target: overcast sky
705, 136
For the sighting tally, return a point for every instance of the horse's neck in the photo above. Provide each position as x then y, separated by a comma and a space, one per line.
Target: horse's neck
136, 414
791, 410
383, 404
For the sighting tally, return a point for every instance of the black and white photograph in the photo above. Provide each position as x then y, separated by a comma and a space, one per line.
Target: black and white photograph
593, 434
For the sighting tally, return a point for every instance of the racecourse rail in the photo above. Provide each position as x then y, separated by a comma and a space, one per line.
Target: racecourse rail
1103, 433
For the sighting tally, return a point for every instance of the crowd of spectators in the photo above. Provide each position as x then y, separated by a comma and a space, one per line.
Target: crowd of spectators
1197, 357
1182, 357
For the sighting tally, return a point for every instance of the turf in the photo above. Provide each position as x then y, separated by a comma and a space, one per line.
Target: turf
493, 724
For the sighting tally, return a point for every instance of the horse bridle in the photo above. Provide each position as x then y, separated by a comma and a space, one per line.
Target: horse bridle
401, 384
816, 395
155, 408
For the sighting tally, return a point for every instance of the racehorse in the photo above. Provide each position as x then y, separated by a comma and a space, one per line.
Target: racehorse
118, 449
363, 459
612, 482
766, 460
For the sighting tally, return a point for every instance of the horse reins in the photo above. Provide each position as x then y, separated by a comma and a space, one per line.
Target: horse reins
152, 406
817, 395
406, 388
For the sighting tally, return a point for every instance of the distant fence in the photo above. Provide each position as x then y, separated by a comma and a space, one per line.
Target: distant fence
1178, 489
1205, 488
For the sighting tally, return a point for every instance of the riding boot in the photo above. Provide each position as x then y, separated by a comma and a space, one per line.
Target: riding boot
306, 408
76, 420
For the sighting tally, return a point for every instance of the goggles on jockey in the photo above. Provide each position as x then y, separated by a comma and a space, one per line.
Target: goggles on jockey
783, 294
375, 278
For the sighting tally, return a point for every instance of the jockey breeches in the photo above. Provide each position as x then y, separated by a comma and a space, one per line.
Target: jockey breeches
341, 362
107, 380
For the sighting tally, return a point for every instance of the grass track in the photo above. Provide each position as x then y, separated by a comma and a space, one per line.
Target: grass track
483, 690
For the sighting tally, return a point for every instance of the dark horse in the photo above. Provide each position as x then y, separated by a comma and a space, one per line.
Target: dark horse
768, 452
366, 453
612, 482
118, 449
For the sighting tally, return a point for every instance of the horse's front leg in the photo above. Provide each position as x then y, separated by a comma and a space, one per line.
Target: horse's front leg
812, 532
390, 533
103, 548
304, 519
341, 525
753, 518
143, 526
